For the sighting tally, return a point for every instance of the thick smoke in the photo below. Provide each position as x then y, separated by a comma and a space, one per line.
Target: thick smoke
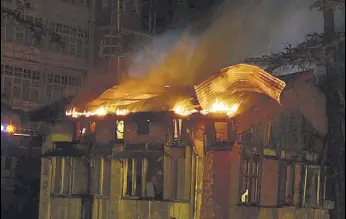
239, 30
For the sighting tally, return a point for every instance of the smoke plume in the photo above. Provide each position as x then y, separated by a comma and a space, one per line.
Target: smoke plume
238, 30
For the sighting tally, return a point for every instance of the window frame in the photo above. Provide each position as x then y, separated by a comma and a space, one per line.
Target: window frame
320, 187
166, 169
147, 123
283, 200
144, 176
254, 158
211, 136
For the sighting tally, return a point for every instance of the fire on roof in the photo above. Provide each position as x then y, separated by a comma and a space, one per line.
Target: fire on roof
230, 91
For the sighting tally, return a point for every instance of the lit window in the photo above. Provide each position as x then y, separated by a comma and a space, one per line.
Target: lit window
120, 130
144, 178
92, 127
250, 181
177, 124
221, 131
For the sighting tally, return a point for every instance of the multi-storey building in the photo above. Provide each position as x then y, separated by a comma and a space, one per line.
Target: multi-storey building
37, 70
71, 40
77, 36
263, 163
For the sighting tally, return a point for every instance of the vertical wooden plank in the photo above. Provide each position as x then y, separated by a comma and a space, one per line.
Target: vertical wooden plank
125, 172
298, 183
117, 177
188, 176
102, 163
166, 173
179, 181
269, 182
144, 175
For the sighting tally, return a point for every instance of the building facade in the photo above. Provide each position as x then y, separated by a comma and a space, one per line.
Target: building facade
72, 37
35, 71
262, 164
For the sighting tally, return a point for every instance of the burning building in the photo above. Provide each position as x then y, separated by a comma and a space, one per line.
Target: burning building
235, 146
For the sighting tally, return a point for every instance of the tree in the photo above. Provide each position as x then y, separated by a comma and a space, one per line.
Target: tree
321, 49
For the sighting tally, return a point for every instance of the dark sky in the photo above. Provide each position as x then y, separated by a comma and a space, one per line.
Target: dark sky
168, 10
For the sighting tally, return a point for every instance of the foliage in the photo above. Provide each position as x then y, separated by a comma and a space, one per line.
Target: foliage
323, 4
310, 52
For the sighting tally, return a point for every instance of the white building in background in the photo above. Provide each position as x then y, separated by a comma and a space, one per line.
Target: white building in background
35, 73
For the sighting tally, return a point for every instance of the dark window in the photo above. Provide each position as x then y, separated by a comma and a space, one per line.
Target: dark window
287, 182
143, 127
313, 186
8, 162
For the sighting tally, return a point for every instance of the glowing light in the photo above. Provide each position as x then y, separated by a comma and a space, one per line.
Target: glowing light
10, 129
83, 131
220, 107
102, 111
21, 134
183, 110
122, 112
2, 128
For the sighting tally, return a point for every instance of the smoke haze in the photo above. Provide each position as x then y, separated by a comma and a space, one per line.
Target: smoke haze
238, 30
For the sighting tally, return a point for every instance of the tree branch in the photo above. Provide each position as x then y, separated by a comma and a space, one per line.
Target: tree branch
334, 4
307, 53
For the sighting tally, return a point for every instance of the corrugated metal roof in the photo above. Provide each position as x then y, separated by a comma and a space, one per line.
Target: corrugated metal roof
242, 78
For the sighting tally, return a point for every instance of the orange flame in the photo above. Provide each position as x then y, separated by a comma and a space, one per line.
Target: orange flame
10, 129
217, 107
101, 111
122, 112
183, 110
220, 107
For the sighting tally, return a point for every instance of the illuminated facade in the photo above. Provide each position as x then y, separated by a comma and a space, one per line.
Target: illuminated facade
259, 164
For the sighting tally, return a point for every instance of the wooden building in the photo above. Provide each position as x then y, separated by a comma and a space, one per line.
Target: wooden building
264, 163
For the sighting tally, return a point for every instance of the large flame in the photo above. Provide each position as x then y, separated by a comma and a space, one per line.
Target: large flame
122, 112
183, 110
218, 106
101, 111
